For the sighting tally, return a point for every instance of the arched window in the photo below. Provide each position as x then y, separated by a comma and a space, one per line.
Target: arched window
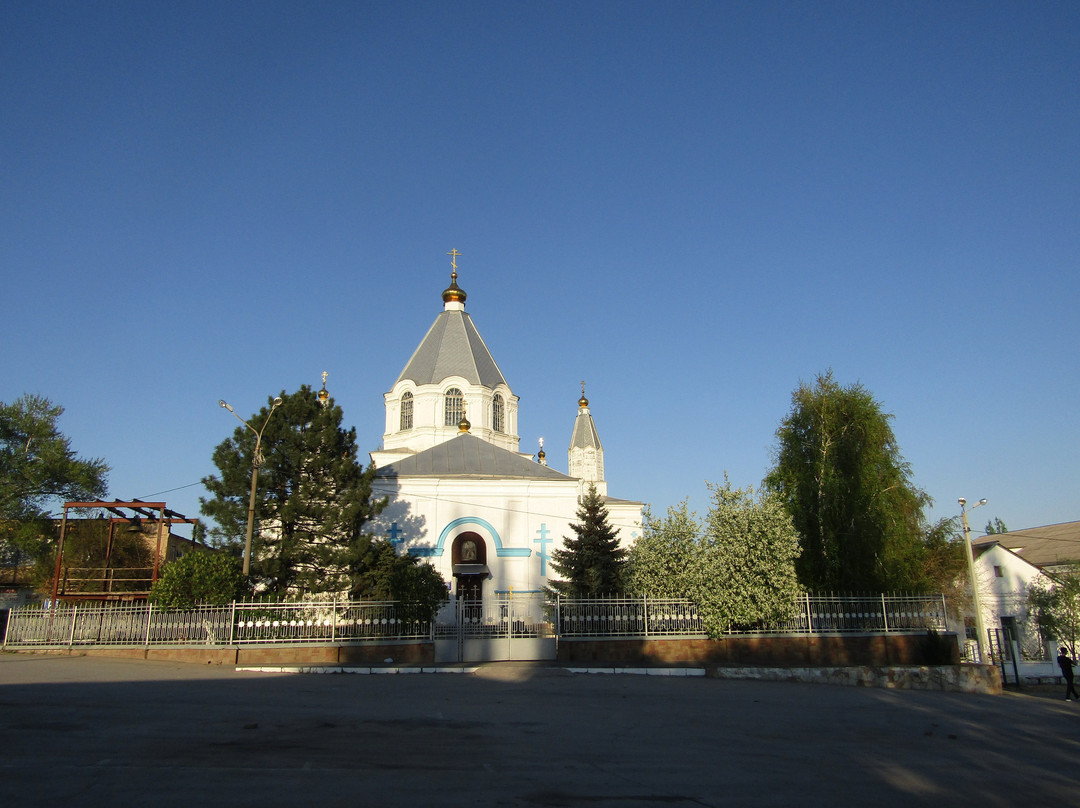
406, 411
497, 413
454, 410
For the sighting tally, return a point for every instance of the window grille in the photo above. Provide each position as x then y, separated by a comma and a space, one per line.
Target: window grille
455, 407
406, 411
497, 413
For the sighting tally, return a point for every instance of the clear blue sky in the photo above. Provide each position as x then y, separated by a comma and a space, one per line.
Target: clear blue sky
692, 206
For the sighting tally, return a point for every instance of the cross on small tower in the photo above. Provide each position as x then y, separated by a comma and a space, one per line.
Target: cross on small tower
453, 262
324, 396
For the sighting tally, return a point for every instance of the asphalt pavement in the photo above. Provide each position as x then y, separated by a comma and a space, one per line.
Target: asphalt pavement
92, 731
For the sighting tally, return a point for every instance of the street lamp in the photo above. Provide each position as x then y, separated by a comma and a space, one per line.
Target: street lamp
256, 461
980, 634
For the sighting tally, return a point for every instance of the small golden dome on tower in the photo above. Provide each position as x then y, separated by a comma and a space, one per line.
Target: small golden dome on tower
323, 395
453, 293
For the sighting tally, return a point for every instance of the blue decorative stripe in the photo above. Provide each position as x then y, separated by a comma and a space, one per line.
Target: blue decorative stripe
468, 520
440, 545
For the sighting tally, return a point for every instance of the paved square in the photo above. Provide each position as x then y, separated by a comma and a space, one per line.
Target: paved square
84, 731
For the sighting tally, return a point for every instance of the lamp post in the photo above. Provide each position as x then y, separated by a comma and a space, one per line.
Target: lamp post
980, 633
256, 461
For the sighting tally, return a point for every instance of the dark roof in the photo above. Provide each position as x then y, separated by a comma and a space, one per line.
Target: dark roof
1042, 546
453, 347
585, 435
466, 455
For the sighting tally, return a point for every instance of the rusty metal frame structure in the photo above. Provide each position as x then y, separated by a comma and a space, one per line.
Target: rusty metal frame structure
139, 510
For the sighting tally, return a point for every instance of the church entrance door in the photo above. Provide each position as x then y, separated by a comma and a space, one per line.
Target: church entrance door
469, 556
483, 626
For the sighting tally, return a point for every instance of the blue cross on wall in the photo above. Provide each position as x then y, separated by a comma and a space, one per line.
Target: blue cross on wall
395, 534
543, 541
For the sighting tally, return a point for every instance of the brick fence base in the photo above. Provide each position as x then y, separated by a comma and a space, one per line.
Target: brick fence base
406, 653
785, 651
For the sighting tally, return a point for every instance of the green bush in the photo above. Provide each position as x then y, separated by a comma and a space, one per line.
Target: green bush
200, 578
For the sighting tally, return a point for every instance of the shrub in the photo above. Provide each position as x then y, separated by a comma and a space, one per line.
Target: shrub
201, 578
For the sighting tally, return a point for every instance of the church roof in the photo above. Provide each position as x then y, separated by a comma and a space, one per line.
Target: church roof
466, 455
453, 347
585, 435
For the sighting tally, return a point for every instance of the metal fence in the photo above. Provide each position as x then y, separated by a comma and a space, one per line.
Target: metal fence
98, 624
237, 624
515, 615
628, 617
817, 614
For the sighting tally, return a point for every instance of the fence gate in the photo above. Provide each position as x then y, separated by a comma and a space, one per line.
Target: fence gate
1004, 651
493, 629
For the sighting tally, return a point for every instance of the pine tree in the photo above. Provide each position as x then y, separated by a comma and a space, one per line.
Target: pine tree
38, 472
591, 563
313, 499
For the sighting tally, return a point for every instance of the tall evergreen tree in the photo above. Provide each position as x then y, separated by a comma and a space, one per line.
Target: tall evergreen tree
313, 500
591, 564
39, 472
849, 491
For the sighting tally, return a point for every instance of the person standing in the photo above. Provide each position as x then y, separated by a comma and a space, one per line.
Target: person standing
1066, 665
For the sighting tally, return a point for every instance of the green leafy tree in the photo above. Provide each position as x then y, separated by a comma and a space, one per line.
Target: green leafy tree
944, 562
995, 527
38, 472
378, 572
747, 571
592, 562
1055, 607
839, 471
201, 578
661, 562
313, 500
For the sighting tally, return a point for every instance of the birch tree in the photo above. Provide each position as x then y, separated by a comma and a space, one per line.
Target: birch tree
839, 471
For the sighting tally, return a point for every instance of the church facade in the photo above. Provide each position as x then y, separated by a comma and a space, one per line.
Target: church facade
461, 494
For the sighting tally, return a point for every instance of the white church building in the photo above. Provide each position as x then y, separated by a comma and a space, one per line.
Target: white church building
461, 494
